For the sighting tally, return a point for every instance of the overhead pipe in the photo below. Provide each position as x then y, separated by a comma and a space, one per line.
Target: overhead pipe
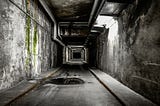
54, 21
95, 11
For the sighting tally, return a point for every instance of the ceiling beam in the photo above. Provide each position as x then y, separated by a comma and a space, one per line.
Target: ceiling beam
114, 15
121, 1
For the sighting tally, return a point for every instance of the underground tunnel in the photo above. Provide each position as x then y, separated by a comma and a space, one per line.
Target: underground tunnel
79, 52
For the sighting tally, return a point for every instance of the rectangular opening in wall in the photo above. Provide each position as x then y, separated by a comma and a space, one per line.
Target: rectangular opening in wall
76, 55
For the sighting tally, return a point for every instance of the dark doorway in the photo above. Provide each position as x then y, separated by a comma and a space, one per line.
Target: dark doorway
76, 55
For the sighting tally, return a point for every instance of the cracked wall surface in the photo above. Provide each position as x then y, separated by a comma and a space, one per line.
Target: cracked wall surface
132, 55
25, 41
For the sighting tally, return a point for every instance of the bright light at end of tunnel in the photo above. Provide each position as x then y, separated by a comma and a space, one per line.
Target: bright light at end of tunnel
103, 20
108, 22
113, 31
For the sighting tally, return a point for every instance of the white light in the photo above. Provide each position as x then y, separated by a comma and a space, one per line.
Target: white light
110, 23
113, 31
103, 20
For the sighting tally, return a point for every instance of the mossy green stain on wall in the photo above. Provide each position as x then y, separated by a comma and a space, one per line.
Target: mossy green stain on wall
28, 25
35, 34
27, 37
35, 41
31, 42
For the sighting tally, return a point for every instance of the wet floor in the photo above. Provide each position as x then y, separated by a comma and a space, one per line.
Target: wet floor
75, 86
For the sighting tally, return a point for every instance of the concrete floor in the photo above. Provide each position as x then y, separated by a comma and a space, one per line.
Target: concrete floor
91, 93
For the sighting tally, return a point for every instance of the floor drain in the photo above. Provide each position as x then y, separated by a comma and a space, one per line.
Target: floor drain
66, 81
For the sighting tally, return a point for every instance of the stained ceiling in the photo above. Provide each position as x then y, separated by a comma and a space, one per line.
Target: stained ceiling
71, 10
76, 17
112, 9
81, 10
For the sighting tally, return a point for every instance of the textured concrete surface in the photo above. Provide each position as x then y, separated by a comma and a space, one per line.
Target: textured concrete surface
130, 52
71, 10
12, 94
91, 93
126, 95
25, 42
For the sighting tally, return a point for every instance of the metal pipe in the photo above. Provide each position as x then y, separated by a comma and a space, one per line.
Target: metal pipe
61, 43
47, 10
54, 21
93, 11
51, 16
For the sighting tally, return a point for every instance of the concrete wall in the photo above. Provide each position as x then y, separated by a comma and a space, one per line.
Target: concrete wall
25, 41
131, 51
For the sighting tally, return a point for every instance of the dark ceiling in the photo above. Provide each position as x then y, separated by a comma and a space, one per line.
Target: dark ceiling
80, 10
71, 10
76, 17
112, 8
121, 1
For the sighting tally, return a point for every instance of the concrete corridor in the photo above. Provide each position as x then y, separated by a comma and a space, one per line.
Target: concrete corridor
89, 93
79, 52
